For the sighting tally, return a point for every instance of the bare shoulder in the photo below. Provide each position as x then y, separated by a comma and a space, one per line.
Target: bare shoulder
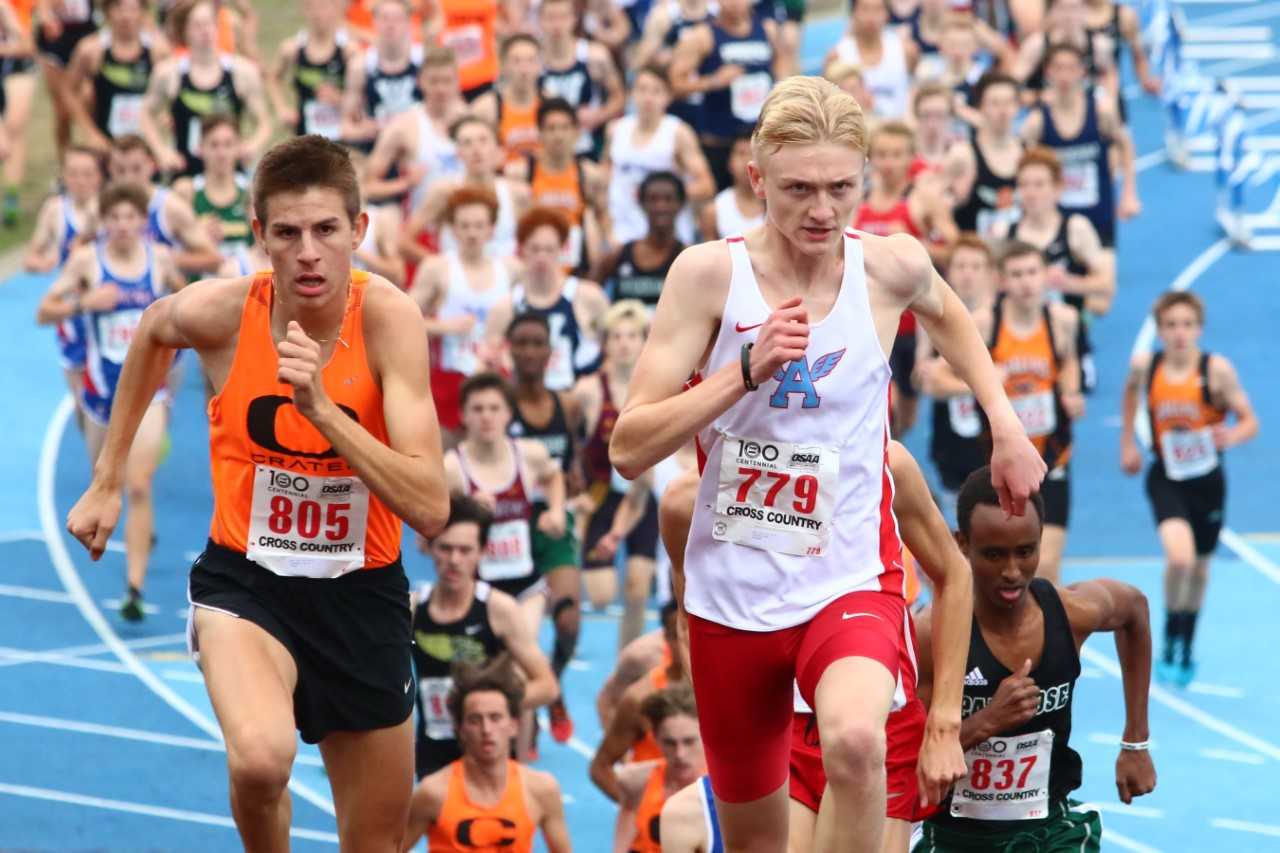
1220, 370
388, 309
207, 312
503, 610
682, 812
1063, 315
246, 70
541, 784
898, 261
702, 271
436, 788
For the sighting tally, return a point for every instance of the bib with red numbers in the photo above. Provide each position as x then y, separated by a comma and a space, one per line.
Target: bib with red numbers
467, 43
435, 710
1008, 779
1037, 413
509, 552
775, 495
307, 525
963, 411
1188, 453
747, 94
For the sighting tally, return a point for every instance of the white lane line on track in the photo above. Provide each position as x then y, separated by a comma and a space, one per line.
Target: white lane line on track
1186, 709
84, 727
184, 815
1121, 808
1250, 555
1233, 755
51, 526
32, 594
1215, 690
1246, 826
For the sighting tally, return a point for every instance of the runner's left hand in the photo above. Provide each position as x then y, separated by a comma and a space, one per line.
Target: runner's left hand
1135, 774
1017, 470
940, 765
300, 363
552, 523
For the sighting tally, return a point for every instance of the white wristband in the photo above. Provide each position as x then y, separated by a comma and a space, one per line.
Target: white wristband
1139, 746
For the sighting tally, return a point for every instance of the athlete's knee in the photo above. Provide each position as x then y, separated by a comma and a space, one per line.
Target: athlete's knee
566, 614
138, 491
853, 752
260, 766
1180, 565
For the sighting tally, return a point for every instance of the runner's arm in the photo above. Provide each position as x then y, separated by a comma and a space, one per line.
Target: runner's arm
1098, 284
155, 105
1109, 605
636, 658
41, 254
1127, 205
509, 624
624, 730
204, 316
682, 827
657, 419
675, 517
555, 830
926, 533
385, 154
954, 335
1226, 388
698, 183
195, 252
406, 473
1135, 384
1131, 32
1066, 323
274, 82
62, 300
85, 60
249, 84
649, 48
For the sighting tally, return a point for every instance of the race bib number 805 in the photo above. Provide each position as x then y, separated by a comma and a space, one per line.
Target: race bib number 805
776, 495
307, 525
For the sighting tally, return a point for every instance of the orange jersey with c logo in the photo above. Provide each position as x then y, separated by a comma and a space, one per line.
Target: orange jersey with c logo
464, 827
281, 494
1031, 370
470, 28
1182, 419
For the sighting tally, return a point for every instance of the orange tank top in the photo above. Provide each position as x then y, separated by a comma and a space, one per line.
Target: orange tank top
464, 827
281, 494
23, 10
518, 128
1182, 417
470, 29
359, 16
649, 812
561, 190
1031, 383
646, 747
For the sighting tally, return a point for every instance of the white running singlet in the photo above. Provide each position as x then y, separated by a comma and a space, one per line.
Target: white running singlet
458, 352
795, 505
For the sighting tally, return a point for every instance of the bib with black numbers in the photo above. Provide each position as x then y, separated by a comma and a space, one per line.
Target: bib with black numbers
1188, 453
435, 710
306, 525
1037, 412
776, 495
1008, 779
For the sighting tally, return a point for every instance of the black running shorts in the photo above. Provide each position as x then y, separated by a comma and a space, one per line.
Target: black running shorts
1056, 491
1198, 501
641, 542
350, 637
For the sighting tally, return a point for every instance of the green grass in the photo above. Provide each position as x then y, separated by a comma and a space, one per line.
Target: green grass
277, 20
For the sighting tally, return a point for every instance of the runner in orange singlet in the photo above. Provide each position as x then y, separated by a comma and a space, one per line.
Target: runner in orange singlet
485, 801
323, 437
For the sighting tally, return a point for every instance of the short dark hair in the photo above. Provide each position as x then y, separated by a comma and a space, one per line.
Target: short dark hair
972, 242
213, 121
486, 381
1015, 249
464, 509
977, 491
498, 678
1063, 47
515, 39
300, 163
1172, 298
131, 142
457, 126
180, 14
531, 318
671, 701
91, 153
551, 106
123, 192
658, 177
989, 80
655, 70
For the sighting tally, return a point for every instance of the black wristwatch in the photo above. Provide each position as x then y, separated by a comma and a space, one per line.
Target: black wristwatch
746, 367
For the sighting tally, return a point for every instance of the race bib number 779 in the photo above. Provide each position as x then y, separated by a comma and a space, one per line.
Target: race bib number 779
776, 495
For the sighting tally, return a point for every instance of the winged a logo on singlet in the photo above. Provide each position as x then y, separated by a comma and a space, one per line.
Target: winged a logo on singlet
799, 377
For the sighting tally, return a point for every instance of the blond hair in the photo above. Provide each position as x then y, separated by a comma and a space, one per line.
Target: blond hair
897, 128
625, 310
808, 110
838, 71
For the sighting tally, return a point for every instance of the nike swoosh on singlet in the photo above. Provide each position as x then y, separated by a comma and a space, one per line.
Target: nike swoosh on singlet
741, 328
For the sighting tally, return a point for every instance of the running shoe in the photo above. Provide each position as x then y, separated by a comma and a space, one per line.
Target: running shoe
131, 607
1186, 674
1167, 672
561, 723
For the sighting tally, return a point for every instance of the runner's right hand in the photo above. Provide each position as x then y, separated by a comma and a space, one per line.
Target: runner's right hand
782, 339
1016, 699
171, 160
104, 297
1130, 457
93, 518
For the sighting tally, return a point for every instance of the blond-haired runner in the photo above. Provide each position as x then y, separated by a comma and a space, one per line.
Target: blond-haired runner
792, 421
323, 439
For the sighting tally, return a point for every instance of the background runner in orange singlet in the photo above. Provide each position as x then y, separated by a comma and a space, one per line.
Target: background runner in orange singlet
323, 437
